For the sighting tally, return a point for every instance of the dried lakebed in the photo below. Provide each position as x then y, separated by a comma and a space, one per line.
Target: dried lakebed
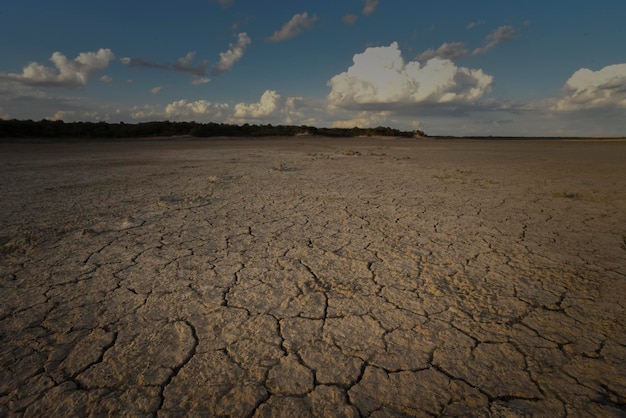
313, 277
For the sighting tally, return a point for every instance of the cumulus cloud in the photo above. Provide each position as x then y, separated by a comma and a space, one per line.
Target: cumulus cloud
380, 79
448, 50
349, 19
267, 106
106, 79
65, 73
363, 119
155, 90
74, 116
233, 55
145, 112
587, 89
272, 107
202, 109
291, 29
498, 36
181, 110
184, 64
370, 7
293, 111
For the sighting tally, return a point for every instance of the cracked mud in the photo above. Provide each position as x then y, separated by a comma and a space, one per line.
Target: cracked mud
313, 277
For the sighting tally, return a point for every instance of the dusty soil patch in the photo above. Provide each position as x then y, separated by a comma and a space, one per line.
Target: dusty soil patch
308, 276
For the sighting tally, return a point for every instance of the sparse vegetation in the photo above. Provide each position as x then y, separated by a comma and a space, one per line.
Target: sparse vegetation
93, 130
279, 166
568, 195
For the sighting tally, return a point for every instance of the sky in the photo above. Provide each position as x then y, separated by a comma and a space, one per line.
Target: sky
448, 67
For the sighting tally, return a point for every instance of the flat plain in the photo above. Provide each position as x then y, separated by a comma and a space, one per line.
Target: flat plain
313, 277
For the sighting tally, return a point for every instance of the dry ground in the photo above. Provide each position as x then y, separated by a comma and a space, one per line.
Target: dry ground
309, 276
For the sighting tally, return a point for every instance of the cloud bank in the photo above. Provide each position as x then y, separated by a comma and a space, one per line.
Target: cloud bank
65, 73
181, 110
379, 79
587, 89
293, 28
233, 55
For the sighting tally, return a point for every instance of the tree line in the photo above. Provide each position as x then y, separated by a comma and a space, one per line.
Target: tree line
14, 128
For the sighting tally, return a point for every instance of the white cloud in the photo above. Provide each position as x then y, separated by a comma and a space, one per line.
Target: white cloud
233, 55
267, 106
370, 7
182, 110
448, 50
65, 73
272, 107
363, 119
291, 29
472, 25
186, 61
379, 79
416, 124
587, 89
185, 110
293, 110
349, 19
75, 116
145, 112
106, 79
155, 90
200, 80
498, 36
60, 115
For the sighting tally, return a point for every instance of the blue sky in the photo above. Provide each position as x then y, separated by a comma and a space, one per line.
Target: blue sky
447, 67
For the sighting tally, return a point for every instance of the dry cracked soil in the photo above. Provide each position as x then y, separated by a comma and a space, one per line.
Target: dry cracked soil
313, 277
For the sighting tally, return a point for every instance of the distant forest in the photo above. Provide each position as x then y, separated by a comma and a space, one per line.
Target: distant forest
93, 130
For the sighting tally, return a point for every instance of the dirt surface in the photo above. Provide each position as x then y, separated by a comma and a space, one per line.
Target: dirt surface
313, 277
